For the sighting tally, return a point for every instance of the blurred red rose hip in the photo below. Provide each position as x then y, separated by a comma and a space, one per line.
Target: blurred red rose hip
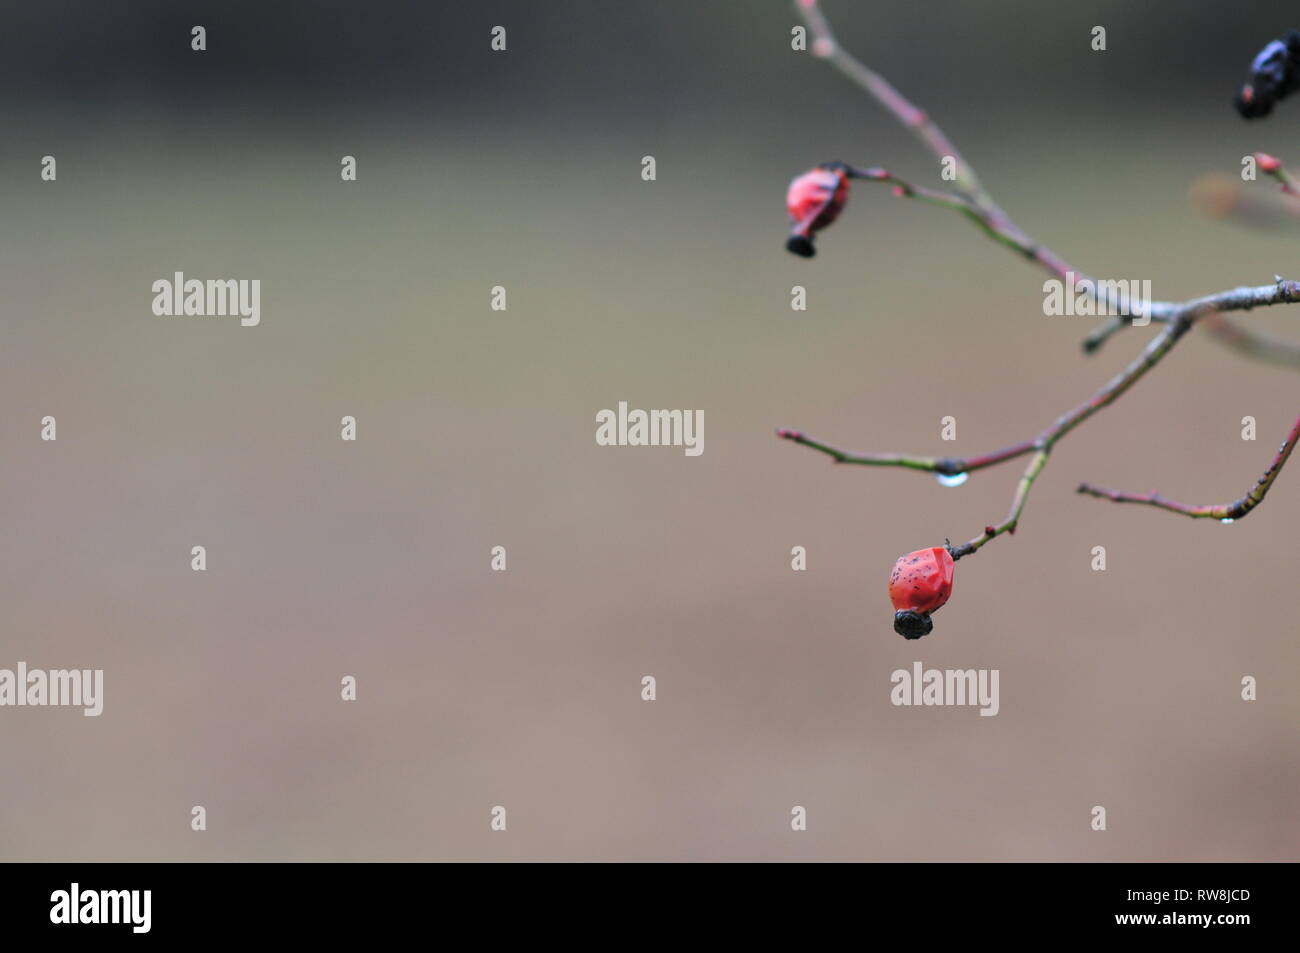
814, 200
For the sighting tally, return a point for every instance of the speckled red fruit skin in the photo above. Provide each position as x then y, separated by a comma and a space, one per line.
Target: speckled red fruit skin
921, 581
816, 198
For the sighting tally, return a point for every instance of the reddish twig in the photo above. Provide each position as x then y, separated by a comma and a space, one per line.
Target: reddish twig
1001, 229
944, 466
1227, 512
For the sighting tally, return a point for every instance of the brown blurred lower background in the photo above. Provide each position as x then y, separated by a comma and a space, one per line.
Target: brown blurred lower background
476, 429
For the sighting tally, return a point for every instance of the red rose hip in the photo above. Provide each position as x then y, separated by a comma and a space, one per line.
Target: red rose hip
920, 584
815, 199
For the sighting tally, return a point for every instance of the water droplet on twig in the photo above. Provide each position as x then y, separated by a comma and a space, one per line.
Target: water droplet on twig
956, 479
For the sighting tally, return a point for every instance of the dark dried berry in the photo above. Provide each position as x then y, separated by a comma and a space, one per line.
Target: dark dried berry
1274, 75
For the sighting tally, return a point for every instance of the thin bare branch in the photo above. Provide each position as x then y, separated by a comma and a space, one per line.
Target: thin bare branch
1227, 512
1009, 524
944, 466
1041, 445
1001, 229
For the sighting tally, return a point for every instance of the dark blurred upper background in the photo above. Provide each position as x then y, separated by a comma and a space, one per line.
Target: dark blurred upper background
621, 65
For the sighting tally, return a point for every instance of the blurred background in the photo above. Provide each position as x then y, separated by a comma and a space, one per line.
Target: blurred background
476, 429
